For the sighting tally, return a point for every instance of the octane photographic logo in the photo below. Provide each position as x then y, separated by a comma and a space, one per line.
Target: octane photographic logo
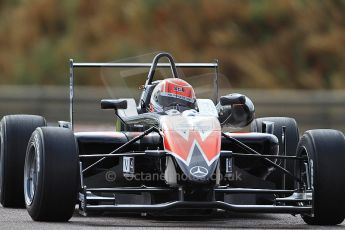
110, 176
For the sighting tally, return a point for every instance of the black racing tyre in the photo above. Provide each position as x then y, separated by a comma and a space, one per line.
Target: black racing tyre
15, 134
325, 150
51, 174
292, 138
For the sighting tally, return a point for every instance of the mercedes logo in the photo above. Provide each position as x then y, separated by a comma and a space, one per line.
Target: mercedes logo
198, 171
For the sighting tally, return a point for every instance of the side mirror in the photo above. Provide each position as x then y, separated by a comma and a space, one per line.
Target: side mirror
232, 99
113, 104
235, 110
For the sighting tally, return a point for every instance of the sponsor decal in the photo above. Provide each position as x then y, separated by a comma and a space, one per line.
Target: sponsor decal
312, 173
178, 89
178, 96
198, 171
228, 166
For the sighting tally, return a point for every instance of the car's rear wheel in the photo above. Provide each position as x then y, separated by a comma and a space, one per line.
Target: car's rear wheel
325, 150
292, 138
51, 174
15, 134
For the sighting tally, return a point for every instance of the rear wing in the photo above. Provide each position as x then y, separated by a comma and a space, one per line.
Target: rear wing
73, 65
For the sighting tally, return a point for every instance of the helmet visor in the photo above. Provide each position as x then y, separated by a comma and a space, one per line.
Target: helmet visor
175, 101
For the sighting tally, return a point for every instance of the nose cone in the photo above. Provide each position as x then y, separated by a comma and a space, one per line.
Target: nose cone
195, 143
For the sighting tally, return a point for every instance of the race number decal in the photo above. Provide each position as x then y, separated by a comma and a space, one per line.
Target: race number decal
128, 165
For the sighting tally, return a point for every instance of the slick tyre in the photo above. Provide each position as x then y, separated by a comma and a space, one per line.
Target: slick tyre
15, 134
51, 174
292, 138
325, 150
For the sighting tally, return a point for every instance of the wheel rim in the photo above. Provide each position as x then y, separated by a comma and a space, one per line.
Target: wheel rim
31, 171
303, 174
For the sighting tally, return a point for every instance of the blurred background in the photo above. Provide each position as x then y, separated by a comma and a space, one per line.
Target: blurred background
287, 55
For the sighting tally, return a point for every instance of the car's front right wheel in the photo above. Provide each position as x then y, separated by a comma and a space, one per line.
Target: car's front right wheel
325, 151
51, 174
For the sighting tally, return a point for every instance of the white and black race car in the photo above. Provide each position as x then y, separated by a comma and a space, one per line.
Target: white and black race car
172, 158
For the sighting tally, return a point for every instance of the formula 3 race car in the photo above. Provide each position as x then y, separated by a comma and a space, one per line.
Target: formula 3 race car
170, 154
